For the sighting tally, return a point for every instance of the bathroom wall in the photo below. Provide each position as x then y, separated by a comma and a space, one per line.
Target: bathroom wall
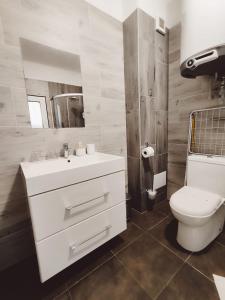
73, 26
185, 95
169, 10
113, 8
145, 58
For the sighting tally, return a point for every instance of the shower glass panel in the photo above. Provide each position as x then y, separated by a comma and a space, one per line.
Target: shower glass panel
68, 110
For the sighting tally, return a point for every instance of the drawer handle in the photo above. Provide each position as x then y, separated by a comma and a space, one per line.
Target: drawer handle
76, 245
69, 207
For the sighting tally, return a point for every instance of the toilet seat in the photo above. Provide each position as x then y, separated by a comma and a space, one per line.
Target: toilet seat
195, 202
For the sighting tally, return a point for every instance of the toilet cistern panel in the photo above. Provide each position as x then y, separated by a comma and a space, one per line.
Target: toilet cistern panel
207, 173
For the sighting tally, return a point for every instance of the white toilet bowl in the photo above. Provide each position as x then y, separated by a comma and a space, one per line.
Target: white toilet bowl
200, 216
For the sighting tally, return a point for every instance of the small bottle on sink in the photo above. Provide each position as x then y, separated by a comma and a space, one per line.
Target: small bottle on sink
80, 150
66, 150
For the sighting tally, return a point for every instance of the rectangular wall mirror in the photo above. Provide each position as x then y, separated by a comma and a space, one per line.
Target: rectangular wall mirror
53, 86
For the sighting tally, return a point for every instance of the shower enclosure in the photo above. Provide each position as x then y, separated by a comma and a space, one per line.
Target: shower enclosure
68, 110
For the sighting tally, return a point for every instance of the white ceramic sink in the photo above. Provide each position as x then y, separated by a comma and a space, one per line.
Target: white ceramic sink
42, 176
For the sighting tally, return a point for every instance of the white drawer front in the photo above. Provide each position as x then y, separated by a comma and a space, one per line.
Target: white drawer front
56, 210
64, 248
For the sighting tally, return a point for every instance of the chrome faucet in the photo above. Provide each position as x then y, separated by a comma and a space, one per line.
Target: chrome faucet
66, 150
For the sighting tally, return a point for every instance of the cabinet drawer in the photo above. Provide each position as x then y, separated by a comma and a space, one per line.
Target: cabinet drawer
64, 248
56, 210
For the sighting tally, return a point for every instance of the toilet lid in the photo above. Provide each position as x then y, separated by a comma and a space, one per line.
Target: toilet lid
194, 202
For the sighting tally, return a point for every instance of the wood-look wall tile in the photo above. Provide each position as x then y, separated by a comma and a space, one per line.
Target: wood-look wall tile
1, 33
7, 111
161, 132
130, 36
130, 33
101, 24
146, 53
174, 38
162, 47
177, 153
133, 134
113, 139
172, 188
147, 173
146, 26
160, 163
146, 102
19, 98
178, 132
134, 182
161, 86
131, 84
113, 113
176, 173
92, 110
147, 121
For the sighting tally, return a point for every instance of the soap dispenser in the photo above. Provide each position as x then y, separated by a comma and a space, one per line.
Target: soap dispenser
80, 150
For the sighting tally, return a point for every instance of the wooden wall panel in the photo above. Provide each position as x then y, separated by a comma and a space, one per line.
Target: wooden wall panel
146, 85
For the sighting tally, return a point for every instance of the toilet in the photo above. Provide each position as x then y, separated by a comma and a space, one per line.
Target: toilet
199, 206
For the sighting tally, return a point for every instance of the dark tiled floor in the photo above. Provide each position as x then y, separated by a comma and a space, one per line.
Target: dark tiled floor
126, 237
210, 261
164, 233
189, 284
150, 264
147, 219
221, 238
163, 207
145, 262
110, 282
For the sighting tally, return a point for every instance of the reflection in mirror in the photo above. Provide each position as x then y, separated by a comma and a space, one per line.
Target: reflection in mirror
53, 85
38, 111
68, 110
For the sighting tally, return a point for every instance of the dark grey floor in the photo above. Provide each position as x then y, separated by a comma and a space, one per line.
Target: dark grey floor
145, 262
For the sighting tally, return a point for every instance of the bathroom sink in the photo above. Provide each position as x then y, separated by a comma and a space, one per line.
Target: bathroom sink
42, 176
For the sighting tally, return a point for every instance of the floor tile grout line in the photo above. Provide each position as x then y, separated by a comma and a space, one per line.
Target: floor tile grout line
130, 243
114, 255
90, 272
164, 216
189, 256
166, 247
196, 269
141, 213
132, 276
70, 296
168, 282
66, 291
220, 244
157, 224
153, 226
162, 212
136, 225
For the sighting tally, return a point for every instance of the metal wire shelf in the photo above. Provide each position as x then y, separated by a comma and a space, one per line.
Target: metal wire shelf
207, 132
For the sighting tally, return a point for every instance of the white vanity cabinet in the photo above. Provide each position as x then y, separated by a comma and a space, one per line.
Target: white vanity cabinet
78, 213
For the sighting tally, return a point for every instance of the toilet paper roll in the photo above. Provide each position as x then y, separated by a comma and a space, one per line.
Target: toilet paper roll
147, 152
